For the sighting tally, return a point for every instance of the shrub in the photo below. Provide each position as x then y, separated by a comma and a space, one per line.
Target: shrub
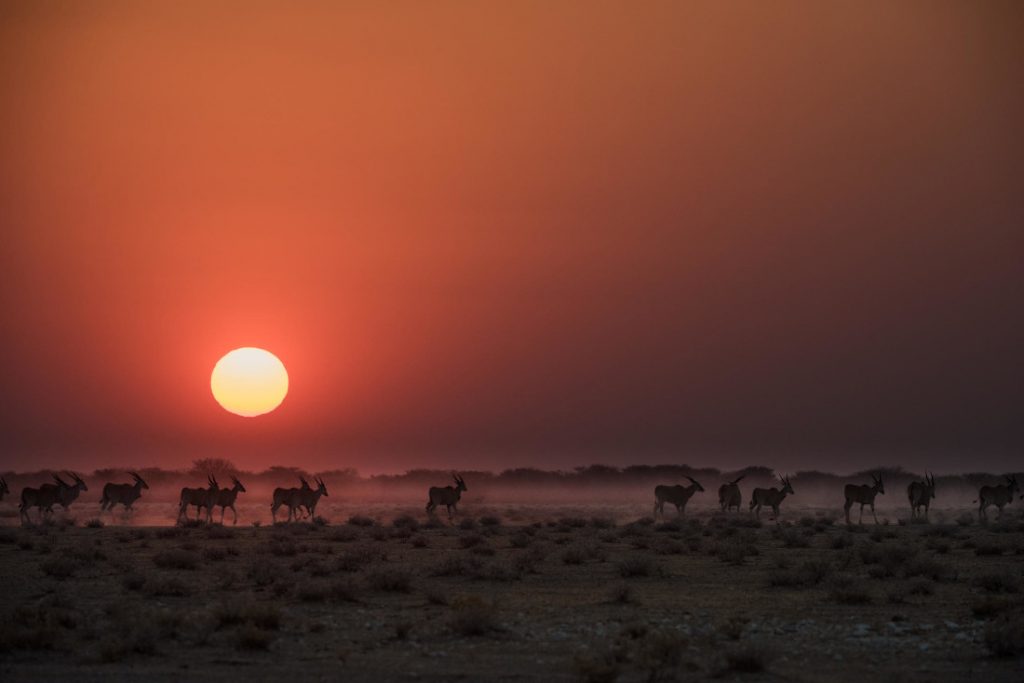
808, 573
621, 594
389, 579
999, 583
747, 659
470, 540
343, 590
846, 591
167, 587
490, 521
361, 520
133, 581
406, 522
343, 534
472, 616
988, 549
312, 591
254, 638
1004, 637
94, 523
176, 559
214, 554
453, 565
61, 566
574, 555
791, 538
520, 540
633, 567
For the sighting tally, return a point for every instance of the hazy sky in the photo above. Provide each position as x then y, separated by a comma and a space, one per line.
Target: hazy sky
513, 234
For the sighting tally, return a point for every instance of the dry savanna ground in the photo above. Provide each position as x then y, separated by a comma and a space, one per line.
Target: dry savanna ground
516, 593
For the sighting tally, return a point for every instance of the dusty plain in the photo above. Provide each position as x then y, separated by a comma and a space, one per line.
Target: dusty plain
514, 592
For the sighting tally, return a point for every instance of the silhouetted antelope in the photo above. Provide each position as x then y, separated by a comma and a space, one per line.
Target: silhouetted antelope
729, 495
226, 499
43, 498
201, 498
308, 498
448, 496
1000, 496
865, 495
68, 493
3, 488
920, 494
122, 494
772, 497
289, 497
678, 495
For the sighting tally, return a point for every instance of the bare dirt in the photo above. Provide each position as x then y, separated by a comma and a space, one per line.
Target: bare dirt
515, 592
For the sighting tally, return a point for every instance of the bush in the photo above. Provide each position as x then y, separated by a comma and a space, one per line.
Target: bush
791, 538
999, 583
361, 520
176, 559
470, 540
312, 591
389, 579
1004, 637
343, 534
343, 590
621, 594
472, 616
61, 566
406, 522
808, 573
633, 567
845, 591
490, 521
747, 659
94, 523
254, 638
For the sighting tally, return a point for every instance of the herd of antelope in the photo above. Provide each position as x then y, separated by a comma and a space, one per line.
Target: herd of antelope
301, 501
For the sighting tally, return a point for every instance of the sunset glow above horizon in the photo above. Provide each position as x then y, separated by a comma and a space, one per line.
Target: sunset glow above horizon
493, 235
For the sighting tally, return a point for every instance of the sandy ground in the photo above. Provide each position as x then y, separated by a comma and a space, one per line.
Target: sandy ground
515, 592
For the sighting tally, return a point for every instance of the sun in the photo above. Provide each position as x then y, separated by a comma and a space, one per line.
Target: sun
249, 382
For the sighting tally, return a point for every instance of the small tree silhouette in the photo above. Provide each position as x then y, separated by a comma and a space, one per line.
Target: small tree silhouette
216, 467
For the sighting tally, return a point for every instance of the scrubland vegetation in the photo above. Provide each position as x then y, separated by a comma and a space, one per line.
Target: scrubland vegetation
573, 593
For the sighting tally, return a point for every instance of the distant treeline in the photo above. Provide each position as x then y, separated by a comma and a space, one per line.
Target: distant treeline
612, 484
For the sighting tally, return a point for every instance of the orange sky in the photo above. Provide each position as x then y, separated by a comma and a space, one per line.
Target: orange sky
541, 234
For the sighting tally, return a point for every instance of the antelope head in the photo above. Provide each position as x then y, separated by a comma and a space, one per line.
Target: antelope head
79, 482
320, 486
305, 484
786, 488
737, 480
60, 482
460, 485
238, 484
212, 481
878, 483
1012, 481
138, 480
696, 483
3, 486
930, 481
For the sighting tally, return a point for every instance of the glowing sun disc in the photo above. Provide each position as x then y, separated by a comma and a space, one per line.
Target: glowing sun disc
249, 382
